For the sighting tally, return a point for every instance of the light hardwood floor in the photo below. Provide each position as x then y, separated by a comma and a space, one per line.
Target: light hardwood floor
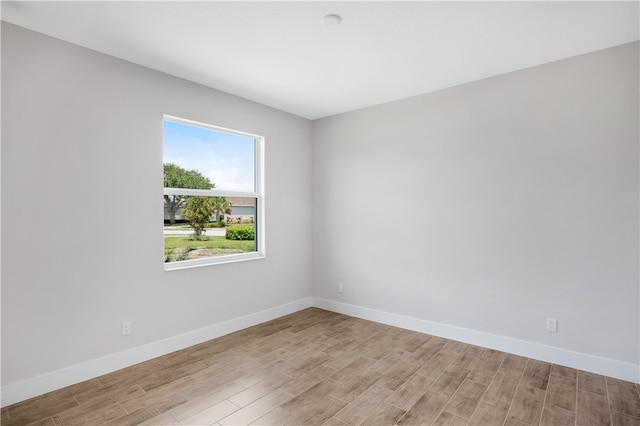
317, 367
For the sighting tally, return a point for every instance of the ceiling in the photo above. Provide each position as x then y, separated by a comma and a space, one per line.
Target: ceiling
280, 54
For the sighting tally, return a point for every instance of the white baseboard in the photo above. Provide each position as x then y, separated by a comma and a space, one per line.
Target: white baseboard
20, 391
608, 367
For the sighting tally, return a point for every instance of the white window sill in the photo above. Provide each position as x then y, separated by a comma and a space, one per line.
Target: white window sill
196, 263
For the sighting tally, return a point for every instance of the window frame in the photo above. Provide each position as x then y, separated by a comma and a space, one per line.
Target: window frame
257, 194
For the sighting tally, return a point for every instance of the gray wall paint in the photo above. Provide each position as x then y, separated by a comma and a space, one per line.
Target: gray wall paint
81, 139
492, 205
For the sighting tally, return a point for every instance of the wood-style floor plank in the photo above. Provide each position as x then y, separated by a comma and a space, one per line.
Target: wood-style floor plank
211, 414
527, 405
536, 374
425, 410
38, 408
256, 409
623, 397
591, 382
316, 367
410, 392
315, 402
385, 414
490, 411
593, 409
504, 385
466, 399
557, 416
447, 419
449, 381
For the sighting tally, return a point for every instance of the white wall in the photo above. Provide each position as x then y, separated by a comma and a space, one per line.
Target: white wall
81, 143
492, 206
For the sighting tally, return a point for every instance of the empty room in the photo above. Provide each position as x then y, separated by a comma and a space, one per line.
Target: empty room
375, 213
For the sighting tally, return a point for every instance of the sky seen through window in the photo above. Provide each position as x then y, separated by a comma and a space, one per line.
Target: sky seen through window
227, 159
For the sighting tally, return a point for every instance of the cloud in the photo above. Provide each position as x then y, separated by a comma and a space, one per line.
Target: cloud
228, 178
178, 161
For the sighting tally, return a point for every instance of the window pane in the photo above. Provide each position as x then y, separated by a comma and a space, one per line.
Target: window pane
209, 227
221, 160
211, 191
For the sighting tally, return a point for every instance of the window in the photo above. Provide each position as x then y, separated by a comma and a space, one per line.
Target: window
213, 194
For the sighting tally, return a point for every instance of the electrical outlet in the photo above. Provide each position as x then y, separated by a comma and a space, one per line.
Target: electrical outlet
340, 288
552, 325
126, 328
